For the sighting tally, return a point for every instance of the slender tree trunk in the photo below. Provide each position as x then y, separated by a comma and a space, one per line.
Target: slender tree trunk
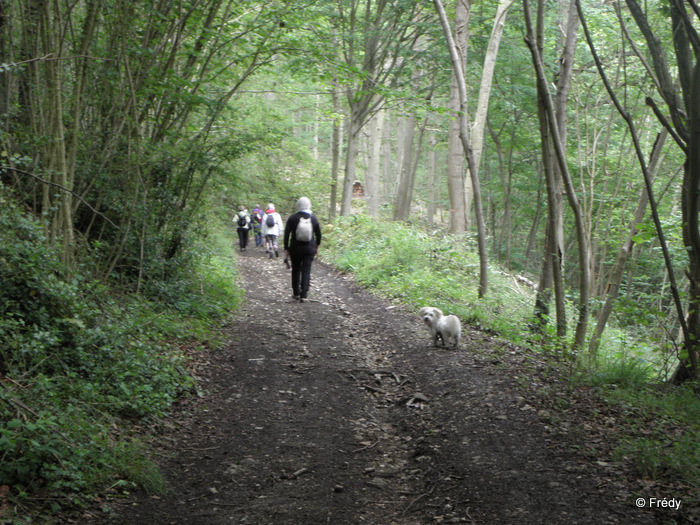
466, 145
335, 155
387, 162
506, 176
455, 159
56, 154
373, 166
353, 131
316, 126
88, 30
481, 114
402, 208
613, 286
432, 197
551, 278
554, 249
690, 78
581, 234
535, 226
414, 169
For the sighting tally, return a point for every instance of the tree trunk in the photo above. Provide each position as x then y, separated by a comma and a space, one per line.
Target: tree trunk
335, 155
402, 208
316, 126
581, 234
551, 278
554, 248
432, 195
56, 154
690, 205
466, 146
481, 114
613, 286
353, 131
372, 174
455, 159
387, 163
506, 178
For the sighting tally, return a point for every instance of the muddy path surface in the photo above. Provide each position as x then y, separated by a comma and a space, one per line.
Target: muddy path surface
339, 411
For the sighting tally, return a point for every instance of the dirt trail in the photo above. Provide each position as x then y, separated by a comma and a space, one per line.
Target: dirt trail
338, 411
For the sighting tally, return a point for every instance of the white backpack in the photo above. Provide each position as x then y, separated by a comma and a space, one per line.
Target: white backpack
304, 231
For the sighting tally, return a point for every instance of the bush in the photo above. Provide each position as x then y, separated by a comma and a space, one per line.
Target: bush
78, 362
63, 456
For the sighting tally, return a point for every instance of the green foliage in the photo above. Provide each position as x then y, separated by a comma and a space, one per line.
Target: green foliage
660, 433
666, 442
659, 427
624, 371
71, 330
286, 168
428, 269
661, 458
80, 361
64, 454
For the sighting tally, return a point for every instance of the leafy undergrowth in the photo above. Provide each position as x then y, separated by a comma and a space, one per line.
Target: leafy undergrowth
644, 436
649, 430
83, 367
420, 268
613, 407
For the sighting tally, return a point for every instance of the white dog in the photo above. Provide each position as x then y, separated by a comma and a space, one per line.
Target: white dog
446, 327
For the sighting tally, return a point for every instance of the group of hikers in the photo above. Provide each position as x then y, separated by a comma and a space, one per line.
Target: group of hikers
265, 225
301, 239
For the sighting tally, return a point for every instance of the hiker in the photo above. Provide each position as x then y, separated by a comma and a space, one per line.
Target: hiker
256, 223
242, 220
271, 228
302, 237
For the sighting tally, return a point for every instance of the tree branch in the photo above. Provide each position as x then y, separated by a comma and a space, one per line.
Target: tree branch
647, 179
665, 123
50, 183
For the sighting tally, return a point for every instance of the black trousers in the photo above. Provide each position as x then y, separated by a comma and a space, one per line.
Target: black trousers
242, 238
301, 273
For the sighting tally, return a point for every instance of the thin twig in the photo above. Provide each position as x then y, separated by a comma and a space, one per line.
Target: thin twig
50, 183
415, 500
367, 447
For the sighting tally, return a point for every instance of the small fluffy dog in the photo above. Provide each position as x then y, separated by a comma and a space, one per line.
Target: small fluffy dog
446, 327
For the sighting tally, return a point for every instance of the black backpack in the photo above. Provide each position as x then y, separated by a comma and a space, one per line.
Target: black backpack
241, 221
270, 221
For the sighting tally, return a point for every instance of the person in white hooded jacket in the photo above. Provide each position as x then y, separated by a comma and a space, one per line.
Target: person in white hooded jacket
271, 227
301, 252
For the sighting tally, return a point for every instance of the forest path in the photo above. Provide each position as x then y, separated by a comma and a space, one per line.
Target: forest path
339, 411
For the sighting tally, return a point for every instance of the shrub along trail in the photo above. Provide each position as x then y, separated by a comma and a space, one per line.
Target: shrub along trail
339, 411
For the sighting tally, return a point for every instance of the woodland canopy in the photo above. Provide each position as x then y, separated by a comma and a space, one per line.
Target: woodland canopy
558, 140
